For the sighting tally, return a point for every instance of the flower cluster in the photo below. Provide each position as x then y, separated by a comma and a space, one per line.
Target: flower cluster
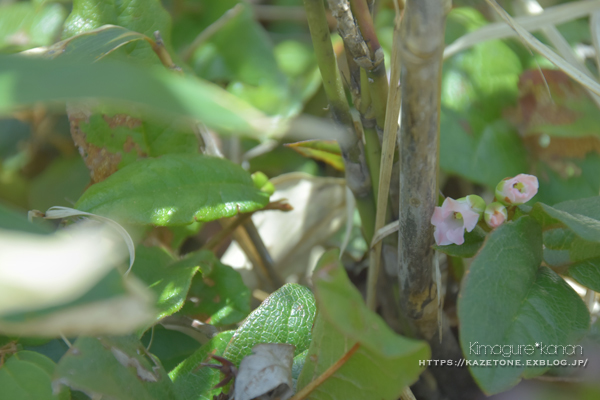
455, 216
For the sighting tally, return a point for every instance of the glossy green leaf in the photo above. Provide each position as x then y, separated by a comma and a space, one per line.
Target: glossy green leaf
218, 295
27, 375
24, 25
384, 362
174, 190
484, 158
193, 382
473, 242
286, 316
581, 216
167, 277
323, 150
507, 300
119, 368
28, 80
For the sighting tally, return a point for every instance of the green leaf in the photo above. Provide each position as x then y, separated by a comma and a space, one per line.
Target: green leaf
218, 294
174, 190
27, 375
587, 273
581, 180
193, 382
143, 16
241, 52
486, 157
473, 242
478, 83
166, 276
170, 346
63, 180
28, 80
24, 25
286, 316
508, 301
581, 216
383, 362
327, 151
563, 248
119, 368
15, 221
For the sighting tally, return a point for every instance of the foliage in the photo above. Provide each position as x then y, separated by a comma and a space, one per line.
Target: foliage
192, 125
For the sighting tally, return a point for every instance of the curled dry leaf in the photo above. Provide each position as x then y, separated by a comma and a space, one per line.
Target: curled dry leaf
266, 373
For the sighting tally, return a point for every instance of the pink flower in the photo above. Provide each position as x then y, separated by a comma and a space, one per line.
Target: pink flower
495, 215
451, 220
517, 190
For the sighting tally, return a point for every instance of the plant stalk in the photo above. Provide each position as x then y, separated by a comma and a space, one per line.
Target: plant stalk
421, 50
357, 172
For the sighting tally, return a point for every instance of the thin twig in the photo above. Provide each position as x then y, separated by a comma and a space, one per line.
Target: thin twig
161, 51
211, 30
308, 389
218, 238
263, 253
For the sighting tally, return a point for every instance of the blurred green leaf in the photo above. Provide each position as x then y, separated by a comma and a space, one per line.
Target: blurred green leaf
242, 54
384, 362
166, 276
170, 346
484, 158
12, 220
119, 368
286, 316
507, 299
218, 294
174, 190
143, 16
581, 216
61, 183
24, 25
193, 382
327, 151
27, 80
580, 181
27, 375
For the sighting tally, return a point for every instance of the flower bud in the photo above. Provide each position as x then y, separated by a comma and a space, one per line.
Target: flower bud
517, 190
261, 181
495, 215
475, 203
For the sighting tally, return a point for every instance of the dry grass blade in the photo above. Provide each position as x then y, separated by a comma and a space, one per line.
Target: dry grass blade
559, 42
387, 160
551, 16
545, 51
595, 30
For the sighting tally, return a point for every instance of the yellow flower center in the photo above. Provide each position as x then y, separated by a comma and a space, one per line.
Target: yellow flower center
458, 215
519, 186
